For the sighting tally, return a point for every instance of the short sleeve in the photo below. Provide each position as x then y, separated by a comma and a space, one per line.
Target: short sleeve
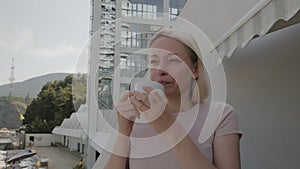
229, 123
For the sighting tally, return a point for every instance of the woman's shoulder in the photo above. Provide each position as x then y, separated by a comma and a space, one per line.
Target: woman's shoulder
217, 113
217, 106
221, 120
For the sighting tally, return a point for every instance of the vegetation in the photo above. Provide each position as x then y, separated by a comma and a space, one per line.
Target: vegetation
10, 110
56, 101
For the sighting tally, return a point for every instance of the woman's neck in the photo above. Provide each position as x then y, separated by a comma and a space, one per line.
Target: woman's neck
179, 104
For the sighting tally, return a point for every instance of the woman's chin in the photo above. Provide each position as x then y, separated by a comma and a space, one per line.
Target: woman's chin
172, 91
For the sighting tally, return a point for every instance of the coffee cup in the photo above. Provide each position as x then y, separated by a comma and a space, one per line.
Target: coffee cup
152, 84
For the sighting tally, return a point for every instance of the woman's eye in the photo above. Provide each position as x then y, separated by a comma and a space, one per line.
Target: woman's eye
173, 60
153, 62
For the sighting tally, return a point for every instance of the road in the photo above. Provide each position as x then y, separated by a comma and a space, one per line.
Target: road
59, 157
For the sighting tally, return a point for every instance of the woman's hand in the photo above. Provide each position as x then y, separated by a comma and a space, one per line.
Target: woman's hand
154, 108
126, 113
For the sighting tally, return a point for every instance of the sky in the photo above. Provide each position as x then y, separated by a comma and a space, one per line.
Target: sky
43, 36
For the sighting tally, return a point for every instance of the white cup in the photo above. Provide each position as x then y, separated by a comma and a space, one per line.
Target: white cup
152, 84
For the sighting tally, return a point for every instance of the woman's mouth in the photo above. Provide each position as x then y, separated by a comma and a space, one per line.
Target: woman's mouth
165, 83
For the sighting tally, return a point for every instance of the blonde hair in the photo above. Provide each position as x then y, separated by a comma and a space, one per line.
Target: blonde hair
195, 56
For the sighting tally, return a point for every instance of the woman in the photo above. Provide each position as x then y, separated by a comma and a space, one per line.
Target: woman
175, 63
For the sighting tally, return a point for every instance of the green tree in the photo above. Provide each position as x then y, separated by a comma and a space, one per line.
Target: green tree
79, 90
27, 99
53, 104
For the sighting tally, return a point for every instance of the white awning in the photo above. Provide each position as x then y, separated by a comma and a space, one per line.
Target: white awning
75, 126
233, 23
77, 133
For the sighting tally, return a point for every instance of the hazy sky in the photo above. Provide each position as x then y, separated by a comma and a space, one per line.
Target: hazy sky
44, 36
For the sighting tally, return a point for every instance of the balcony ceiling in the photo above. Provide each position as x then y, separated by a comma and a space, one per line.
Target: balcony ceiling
230, 24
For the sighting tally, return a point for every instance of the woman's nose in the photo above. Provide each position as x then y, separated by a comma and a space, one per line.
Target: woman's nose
158, 71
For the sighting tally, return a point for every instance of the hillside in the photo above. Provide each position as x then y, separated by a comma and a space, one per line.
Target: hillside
10, 110
33, 86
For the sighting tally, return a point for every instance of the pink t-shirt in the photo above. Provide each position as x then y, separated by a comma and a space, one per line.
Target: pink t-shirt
151, 150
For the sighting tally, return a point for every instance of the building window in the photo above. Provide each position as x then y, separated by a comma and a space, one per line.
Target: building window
147, 9
176, 7
137, 35
133, 64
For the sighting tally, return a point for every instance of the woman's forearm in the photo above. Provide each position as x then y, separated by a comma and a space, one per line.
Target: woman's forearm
187, 153
119, 157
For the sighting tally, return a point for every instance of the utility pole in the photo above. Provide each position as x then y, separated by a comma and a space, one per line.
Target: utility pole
11, 78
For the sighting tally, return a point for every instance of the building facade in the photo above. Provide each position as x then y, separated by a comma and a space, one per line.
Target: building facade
120, 30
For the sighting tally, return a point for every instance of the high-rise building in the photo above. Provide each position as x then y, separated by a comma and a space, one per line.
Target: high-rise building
120, 30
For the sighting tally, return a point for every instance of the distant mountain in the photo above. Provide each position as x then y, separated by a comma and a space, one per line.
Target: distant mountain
32, 86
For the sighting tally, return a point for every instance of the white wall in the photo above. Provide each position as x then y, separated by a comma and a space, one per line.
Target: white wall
58, 138
72, 143
43, 139
263, 85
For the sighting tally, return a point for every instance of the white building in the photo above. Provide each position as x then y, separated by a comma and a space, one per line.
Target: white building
72, 131
116, 57
262, 85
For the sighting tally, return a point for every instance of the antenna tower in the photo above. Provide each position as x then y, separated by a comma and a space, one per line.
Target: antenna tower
11, 78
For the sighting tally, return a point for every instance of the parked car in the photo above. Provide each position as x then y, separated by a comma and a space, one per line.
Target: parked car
24, 159
6, 144
33, 162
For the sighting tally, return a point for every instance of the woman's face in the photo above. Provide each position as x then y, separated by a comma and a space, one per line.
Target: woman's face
170, 65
